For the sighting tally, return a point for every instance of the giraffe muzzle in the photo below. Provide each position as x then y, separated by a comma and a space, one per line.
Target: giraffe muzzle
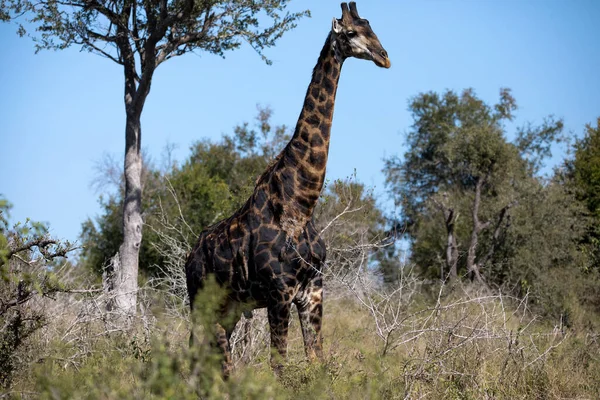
381, 59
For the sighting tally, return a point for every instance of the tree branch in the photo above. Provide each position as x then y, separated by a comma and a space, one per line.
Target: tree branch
451, 246
496, 234
136, 35
472, 266
39, 243
105, 38
95, 5
21, 299
165, 51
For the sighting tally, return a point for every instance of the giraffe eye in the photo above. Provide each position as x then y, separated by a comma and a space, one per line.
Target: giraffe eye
351, 34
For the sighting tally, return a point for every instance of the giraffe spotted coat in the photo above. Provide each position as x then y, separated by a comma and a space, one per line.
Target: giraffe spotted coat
268, 253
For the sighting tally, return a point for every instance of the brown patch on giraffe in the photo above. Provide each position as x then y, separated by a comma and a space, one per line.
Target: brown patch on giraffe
318, 76
300, 147
313, 120
304, 202
329, 87
325, 131
309, 175
260, 198
304, 135
326, 109
318, 159
316, 141
308, 184
288, 178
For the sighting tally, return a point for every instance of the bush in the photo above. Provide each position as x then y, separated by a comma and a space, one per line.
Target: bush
31, 267
463, 344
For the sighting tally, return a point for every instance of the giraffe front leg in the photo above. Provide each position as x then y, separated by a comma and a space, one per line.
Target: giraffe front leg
310, 312
279, 317
229, 316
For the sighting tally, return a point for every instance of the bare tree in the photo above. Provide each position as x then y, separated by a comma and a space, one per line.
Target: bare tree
140, 35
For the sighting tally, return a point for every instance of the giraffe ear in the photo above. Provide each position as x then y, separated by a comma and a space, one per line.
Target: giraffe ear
336, 27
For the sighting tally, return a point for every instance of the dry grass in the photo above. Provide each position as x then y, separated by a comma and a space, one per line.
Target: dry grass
463, 344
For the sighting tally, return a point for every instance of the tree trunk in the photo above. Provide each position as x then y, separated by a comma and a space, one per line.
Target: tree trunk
125, 265
450, 218
126, 277
472, 267
451, 247
452, 260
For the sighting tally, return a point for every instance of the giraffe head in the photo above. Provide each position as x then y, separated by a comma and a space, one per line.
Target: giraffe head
353, 37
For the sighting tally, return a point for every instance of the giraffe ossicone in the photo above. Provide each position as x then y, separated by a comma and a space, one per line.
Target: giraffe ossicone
268, 253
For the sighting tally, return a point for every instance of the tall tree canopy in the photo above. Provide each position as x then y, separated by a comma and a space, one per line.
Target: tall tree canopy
140, 35
585, 173
460, 180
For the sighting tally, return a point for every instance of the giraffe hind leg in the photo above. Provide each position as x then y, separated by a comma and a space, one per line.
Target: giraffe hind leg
223, 337
310, 312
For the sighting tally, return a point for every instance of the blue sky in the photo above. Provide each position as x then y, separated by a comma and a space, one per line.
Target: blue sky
61, 111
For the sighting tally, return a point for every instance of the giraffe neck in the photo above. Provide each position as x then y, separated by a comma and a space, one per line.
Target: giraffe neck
294, 181
302, 164
308, 150
311, 135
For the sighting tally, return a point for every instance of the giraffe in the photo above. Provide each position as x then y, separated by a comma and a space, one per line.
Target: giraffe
268, 253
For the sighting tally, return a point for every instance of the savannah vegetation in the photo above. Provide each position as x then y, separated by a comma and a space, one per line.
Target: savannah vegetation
522, 325
498, 297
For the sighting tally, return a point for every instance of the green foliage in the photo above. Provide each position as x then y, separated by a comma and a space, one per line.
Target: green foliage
462, 182
541, 253
466, 191
101, 238
454, 141
585, 174
31, 267
235, 162
212, 183
5, 207
155, 365
215, 26
586, 167
534, 143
